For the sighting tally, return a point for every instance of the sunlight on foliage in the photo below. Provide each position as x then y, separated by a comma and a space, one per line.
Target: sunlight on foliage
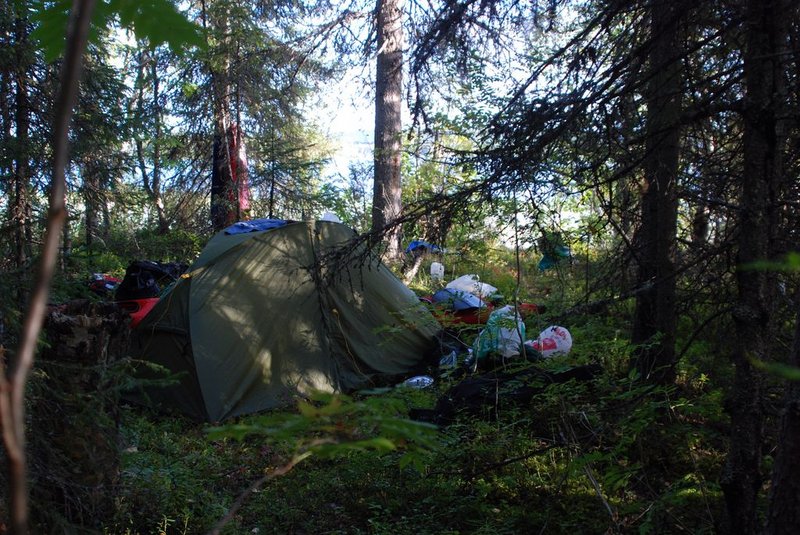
331, 425
155, 21
778, 369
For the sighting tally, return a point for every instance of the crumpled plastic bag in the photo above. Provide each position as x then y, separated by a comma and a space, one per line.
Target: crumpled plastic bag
473, 285
554, 340
502, 334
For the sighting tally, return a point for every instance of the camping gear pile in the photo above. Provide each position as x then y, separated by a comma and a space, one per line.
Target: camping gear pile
486, 383
468, 301
503, 334
273, 310
103, 284
279, 311
140, 289
554, 250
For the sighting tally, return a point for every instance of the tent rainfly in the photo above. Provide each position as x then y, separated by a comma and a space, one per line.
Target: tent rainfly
258, 320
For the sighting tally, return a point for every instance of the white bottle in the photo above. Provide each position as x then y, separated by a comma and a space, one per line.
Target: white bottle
437, 271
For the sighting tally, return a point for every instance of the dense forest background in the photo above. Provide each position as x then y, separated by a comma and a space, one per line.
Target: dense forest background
657, 140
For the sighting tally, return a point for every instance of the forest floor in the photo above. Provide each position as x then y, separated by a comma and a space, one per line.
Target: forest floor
608, 455
604, 456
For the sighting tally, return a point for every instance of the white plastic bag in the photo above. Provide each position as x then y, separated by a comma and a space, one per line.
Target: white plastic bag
554, 340
502, 334
419, 381
473, 285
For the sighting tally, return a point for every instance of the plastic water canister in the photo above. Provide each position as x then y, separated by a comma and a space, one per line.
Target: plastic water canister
437, 271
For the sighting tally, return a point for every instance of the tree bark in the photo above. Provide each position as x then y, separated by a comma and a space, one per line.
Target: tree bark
152, 184
92, 199
654, 321
783, 516
764, 33
21, 211
223, 210
386, 199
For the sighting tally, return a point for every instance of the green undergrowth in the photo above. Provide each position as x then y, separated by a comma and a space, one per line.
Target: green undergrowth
611, 455
604, 456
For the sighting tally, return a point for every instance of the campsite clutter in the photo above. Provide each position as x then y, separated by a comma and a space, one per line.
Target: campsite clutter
554, 250
260, 319
473, 285
103, 284
498, 369
468, 301
419, 247
275, 310
419, 381
143, 284
503, 334
437, 271
486, 393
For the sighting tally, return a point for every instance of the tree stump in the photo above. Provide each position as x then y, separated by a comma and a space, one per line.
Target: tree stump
74, 415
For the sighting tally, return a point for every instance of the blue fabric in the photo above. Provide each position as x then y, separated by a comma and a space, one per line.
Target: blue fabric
255, 225
458, 300
420, 244
551, 259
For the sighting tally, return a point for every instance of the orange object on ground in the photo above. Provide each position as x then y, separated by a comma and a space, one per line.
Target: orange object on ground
138, 308
472, 316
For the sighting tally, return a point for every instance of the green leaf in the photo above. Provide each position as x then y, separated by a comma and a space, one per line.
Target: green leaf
155, 21
50, 23
416, 459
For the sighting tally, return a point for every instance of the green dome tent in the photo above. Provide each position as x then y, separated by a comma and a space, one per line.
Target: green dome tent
258, 320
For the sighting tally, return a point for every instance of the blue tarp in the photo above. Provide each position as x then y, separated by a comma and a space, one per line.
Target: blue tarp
255, 225
420, 244
458, 299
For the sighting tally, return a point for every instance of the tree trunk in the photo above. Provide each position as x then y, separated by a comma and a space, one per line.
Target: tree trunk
152, 184
163, 226
386, 200
66, 240
764, 33
654, 320
91, 198
222, 209
783, 516
21, 210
